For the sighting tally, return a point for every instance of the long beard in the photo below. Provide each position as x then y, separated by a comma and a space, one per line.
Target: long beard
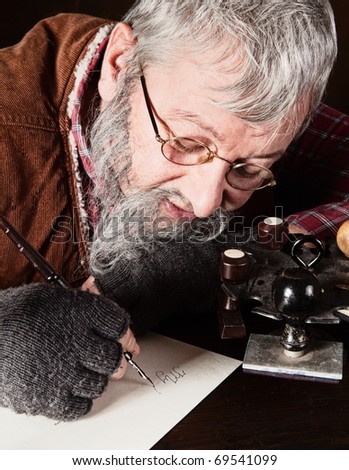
131, 225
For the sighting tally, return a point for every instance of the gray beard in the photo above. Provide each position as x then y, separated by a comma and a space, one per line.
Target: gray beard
131, 225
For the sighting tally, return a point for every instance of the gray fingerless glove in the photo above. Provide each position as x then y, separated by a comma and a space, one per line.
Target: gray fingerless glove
57, 349
174, 277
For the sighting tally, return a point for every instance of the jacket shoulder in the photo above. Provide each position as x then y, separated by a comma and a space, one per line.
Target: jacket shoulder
36, 72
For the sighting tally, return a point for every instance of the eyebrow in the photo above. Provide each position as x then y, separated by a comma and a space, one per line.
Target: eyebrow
196, 119
267, 156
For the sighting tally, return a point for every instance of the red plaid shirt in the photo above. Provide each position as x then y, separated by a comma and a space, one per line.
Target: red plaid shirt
313, 180
82, 148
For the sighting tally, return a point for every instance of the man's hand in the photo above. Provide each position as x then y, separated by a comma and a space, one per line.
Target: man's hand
294, 228
90, 286
58, 349
128, 341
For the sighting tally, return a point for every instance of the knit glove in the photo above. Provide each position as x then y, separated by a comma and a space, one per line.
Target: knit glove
172, 278
57, 349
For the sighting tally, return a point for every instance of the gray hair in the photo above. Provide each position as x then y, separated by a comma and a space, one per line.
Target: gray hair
285, 49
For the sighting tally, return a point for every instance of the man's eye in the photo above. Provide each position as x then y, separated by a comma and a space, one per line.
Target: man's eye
185, 151
248, 171
186, 146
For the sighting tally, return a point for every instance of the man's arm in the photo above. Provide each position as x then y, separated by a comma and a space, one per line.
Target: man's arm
313, 180
322, 221
174, 277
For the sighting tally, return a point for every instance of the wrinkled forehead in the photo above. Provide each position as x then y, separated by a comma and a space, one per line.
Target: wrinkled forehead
209, 84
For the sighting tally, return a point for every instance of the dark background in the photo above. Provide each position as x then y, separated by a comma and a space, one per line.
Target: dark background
17, 16
247, 411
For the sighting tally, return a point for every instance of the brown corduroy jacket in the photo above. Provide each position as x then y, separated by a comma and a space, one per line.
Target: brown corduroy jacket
38, 184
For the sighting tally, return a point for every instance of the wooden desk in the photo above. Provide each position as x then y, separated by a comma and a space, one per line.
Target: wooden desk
258, 412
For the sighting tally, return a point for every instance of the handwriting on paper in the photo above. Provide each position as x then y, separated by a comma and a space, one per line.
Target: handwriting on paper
173, 375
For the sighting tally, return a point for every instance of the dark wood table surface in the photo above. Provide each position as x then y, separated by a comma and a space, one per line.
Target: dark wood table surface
249, 411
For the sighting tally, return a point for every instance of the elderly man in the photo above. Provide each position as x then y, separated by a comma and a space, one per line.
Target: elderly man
125, 147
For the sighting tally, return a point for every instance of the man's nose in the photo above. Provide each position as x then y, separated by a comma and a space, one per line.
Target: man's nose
206, 186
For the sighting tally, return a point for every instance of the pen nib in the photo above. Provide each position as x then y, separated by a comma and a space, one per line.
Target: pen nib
129, 359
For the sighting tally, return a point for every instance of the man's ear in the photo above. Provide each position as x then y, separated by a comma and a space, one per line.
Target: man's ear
120, 42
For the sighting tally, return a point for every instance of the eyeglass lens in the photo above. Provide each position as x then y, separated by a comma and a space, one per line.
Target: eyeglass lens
186, 151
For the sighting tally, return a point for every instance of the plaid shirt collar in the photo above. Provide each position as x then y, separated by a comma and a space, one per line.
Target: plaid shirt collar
81, 152
76, 127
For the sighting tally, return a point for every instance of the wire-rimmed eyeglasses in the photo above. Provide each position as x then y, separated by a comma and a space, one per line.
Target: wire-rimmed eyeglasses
186, 151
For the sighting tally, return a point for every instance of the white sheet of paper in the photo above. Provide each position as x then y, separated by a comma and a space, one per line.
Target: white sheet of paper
131, 414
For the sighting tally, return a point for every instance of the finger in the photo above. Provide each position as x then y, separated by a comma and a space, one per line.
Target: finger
294, 228
88, 384
101, 355
121, 370
90, 285
129, 343
112, 320
69, 408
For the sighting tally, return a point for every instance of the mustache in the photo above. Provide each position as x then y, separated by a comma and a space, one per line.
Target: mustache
137, 226
175, 197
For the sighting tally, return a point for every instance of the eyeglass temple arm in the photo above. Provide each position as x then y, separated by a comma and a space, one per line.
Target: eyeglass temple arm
147, 102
